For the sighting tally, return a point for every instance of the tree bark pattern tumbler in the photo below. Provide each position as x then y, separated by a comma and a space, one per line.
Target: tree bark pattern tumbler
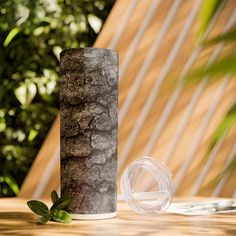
89, 123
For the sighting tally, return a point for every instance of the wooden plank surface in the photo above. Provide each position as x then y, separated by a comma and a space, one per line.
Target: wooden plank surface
17, 219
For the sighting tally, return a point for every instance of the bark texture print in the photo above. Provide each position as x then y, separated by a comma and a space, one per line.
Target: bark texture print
88, 100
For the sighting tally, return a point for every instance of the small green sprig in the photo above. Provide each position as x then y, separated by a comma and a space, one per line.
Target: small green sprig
57, 211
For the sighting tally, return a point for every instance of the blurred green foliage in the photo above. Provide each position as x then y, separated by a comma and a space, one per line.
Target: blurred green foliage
221, 67
217, 70
32, 34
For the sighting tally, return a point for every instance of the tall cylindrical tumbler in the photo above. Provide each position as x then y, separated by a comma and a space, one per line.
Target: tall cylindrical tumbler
88, 105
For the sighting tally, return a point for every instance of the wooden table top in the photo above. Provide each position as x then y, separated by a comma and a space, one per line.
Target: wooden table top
17, 219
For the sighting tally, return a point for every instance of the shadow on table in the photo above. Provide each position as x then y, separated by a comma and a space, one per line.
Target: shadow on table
17, 215
25, 224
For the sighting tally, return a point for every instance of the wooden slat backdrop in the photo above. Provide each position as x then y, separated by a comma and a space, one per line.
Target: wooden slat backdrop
158, 117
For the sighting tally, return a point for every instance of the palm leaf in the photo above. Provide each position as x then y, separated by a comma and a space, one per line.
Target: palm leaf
230, 169
221, 67
221, 131
224, 127
207, 12
226, 37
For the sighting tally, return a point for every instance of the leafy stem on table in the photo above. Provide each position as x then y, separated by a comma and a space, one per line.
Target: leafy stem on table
58, 211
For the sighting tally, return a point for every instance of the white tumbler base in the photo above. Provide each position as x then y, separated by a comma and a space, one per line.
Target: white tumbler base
93, 216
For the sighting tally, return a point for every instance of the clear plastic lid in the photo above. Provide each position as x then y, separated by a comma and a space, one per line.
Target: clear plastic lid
147, 186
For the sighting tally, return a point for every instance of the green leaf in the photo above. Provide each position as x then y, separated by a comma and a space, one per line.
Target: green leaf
39, 30
26, 93
222, 130
61, 216
223, 66
224, 127
12, 184
10, 36
44, 219
61, 203
226, 37
54, 196
207, 12
57, 50
38, 207
33, 133
94, 22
